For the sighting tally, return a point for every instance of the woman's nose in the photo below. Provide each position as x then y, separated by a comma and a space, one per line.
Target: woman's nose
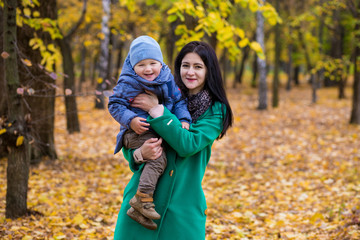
191, 71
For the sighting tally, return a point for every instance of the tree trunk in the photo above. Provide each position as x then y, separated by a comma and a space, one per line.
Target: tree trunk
104, 56
261, 62
111, 54
355, 112
296, 75
275, 97
289, 67
18, 160
338, 52
223, 61
170, 43
255, 71
239, 74
72, 120
309, 67
41, 104
290, 9
119, 60
94, 69
3, 86
82, 67
3, 93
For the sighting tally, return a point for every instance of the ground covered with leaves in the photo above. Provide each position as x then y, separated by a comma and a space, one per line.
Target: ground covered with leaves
287, 173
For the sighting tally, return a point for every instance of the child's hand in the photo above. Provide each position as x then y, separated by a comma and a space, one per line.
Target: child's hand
185, 125
139, 125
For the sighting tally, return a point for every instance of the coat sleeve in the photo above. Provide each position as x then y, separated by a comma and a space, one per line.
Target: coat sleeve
119, 103
189, 142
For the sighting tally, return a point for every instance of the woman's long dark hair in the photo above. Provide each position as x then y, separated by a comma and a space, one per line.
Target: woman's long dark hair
214, 82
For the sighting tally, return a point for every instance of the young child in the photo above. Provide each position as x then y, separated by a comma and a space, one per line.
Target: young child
144, 70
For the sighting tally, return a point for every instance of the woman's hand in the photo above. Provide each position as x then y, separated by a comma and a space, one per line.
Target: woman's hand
152, 149
145, 101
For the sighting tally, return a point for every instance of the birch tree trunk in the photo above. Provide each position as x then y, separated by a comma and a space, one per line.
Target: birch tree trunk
261, 62
104, 56
18, 160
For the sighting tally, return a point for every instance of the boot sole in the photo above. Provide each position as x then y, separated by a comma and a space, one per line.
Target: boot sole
145, 222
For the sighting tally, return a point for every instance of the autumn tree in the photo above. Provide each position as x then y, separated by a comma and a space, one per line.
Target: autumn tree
72, 119
275, 87
104, 56
261, 62
36, 44
354, 7
3, 87
16, 127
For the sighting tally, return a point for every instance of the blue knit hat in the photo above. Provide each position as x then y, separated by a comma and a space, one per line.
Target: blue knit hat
144, 47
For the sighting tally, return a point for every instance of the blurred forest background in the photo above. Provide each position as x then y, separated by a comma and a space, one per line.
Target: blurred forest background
292, 72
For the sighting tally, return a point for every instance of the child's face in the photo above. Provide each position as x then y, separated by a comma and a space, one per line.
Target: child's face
148, 69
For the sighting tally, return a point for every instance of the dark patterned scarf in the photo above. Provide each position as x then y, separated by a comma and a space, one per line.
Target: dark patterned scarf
198, 104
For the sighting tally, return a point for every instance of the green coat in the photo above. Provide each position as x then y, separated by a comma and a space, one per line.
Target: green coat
179, 197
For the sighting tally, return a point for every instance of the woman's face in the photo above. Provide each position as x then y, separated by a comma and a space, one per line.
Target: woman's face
193, 72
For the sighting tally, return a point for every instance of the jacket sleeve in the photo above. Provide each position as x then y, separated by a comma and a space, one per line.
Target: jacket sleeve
119, 103
180, 105
189, 142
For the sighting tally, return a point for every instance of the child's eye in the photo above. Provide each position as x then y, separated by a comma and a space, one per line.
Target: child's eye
185, 65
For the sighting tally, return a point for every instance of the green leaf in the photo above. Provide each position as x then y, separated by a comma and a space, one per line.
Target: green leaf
172, 18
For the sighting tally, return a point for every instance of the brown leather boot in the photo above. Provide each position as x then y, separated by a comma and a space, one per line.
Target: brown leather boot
138, 217
143, 203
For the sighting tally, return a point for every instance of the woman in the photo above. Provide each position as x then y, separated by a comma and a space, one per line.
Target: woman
179, 197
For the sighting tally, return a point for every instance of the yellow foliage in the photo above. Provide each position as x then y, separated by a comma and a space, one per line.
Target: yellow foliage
78, 219
244, 42
19, 140
253, 5
258, 49
101, 36
265, 180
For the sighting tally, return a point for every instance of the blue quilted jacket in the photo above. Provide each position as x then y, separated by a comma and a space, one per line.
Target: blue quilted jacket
130, 85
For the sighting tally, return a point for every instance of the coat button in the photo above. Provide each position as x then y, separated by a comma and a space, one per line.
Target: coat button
206, 211
171, 173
